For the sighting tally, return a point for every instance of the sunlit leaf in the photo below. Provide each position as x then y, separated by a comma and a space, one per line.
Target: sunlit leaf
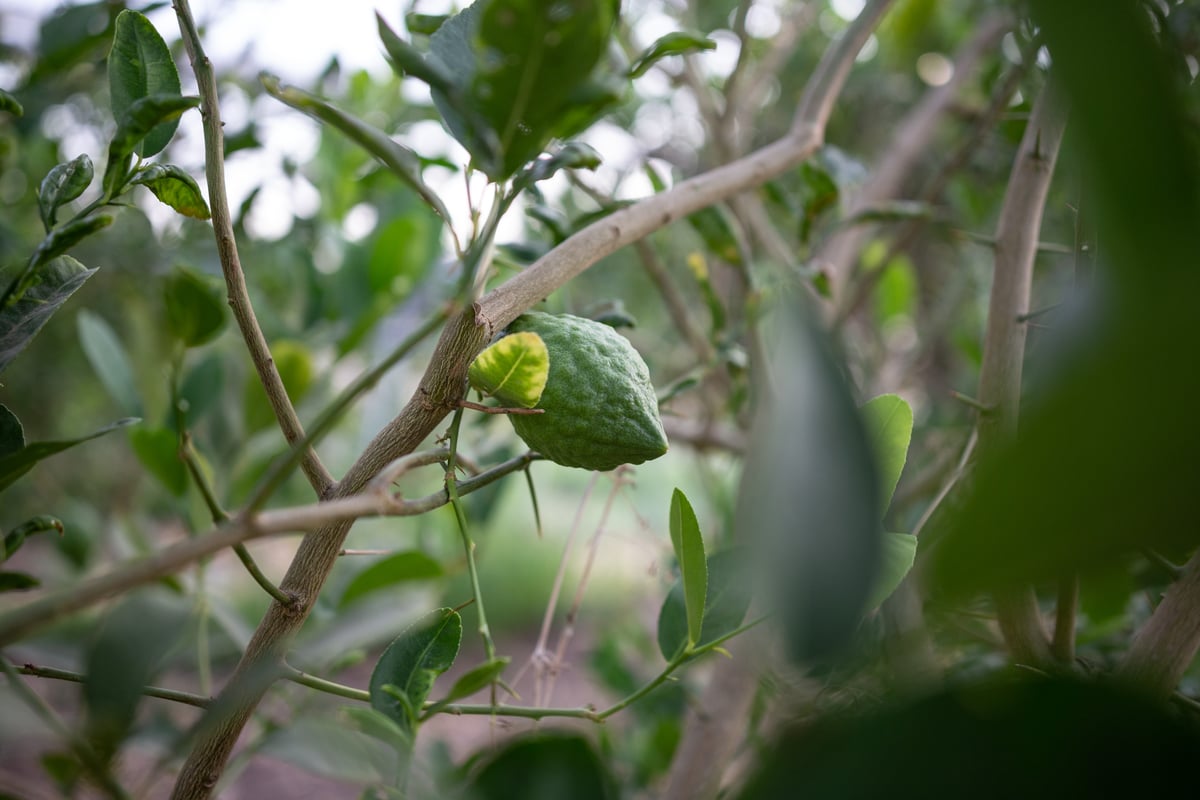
513, 370
175, 188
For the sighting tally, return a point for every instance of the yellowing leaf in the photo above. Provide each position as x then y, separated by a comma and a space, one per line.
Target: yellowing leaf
513, 370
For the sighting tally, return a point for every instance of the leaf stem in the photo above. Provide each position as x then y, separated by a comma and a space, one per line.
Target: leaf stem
460, 515
322, 685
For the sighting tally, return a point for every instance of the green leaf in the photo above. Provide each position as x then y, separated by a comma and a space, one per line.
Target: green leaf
158, 451
12, 434
121, 659
17, 582
63, 238
17, 464
532, 54
379, 726
716, 230
896, 559
140, 65
399, 160
889, 422
409, 61
546, 766
11, 104
673, 44
17, 536
411, 663
327, 748
294, 362
475, 679
810, 495
401, 253
688, 543
730, 588
62, 184
195, 306
21, 319
424, 24
175, 188
513, 370
145, 116
412, 565
108, 358
572, 155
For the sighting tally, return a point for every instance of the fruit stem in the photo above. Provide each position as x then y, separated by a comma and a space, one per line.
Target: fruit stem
460, 514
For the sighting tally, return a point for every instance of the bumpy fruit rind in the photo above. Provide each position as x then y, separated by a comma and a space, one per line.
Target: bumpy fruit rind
600, 408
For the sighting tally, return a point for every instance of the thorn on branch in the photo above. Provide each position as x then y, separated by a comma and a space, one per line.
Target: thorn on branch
982, 408
497, 410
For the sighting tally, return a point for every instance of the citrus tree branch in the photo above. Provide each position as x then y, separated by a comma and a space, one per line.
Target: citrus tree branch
231, 265
1166, 645
377, 501
1004, 341
464, 335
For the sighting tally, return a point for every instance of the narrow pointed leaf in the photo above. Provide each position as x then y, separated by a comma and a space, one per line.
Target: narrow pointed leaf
411, 663
476, 679
730, 589
410, 61
108, 358
693, 569
412, 565
15, 465
140, 65
21, 319
889, 422
174, 188
402, 162
62, 184
513, 370
673, 44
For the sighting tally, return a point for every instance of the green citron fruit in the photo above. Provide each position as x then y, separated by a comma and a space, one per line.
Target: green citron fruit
599, 405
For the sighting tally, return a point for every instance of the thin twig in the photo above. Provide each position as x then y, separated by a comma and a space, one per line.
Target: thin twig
174, 695
88, 757
235, 279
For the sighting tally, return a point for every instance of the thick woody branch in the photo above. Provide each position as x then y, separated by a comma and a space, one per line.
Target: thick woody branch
1004, 342
1167, 644
463, 337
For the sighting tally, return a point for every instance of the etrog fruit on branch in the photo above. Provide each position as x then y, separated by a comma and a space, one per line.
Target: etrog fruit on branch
599, 407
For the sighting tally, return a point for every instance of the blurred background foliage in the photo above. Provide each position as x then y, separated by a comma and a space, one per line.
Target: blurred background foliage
342, 260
